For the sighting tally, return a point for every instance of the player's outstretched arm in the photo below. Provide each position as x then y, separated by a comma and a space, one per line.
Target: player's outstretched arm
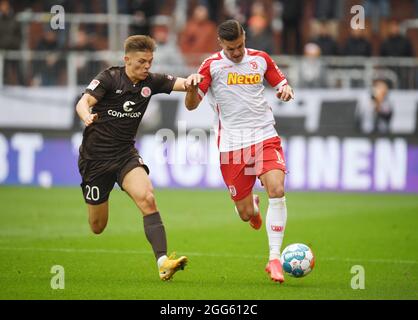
285, 93
83, 109
183, 84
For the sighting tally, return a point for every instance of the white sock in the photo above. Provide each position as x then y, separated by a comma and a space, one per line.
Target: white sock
275, 225
161, 260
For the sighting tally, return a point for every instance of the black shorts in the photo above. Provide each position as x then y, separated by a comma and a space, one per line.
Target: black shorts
99, 176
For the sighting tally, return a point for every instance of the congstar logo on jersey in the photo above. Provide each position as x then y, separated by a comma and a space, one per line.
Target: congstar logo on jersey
236, 78
128, 111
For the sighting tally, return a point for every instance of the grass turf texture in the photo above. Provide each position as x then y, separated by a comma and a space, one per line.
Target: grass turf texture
40, 228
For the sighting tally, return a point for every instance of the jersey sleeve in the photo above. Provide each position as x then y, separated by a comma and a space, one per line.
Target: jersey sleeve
204, 70
162, 83
273, 74
100, 85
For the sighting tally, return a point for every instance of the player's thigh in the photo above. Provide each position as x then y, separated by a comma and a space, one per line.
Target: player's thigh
273, 182
98, 180
271, 167
139, 187
238, 179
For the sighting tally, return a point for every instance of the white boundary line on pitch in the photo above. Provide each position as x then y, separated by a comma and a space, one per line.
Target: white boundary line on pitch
226, 255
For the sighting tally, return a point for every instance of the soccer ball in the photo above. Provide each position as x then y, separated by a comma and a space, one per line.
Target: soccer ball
297, 260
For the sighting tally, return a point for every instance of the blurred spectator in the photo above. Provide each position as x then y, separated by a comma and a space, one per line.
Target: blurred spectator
357, 44
291, 34
10, 28
10, 39
199, 35
82, 42
49, 40
416, 9
325, 41
86, 69
143, 12
234, 10
215, 9
378, 10
259, 36
311, 68
167, 55
396, 45
376, 114
330, 11
257, 8
47, 72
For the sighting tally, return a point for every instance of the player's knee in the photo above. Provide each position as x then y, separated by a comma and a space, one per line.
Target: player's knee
276, 192
246, 213
147, 199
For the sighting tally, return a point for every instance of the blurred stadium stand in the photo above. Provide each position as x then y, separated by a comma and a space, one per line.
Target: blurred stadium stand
35, 56
94, 33
44, 71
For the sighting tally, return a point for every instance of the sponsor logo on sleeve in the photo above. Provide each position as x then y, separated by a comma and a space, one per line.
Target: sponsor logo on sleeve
93, 84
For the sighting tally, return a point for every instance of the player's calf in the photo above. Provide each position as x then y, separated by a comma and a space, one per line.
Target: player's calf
248, 210
98, 216
245, 208
245, 213
97, 226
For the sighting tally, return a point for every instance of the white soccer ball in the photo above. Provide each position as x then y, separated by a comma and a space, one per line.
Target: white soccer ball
297, 260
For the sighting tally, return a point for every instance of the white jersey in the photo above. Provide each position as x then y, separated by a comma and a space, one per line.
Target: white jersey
236, 94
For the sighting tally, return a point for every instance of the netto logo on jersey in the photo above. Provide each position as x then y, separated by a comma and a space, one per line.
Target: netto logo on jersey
235, 78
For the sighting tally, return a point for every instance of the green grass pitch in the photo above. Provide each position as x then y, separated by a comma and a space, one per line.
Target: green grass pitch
40, 228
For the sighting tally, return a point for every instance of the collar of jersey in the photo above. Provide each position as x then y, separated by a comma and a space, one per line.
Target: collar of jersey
129, 80
244, 59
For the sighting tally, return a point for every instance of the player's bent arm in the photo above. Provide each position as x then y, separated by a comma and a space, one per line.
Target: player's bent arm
192, 99
285, 93
182, 84
83, 109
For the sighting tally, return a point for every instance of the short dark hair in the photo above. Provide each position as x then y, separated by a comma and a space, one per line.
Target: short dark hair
139, 43
230, 30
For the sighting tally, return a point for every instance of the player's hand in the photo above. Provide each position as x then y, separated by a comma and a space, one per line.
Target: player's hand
90, 119
285, 93
193, 81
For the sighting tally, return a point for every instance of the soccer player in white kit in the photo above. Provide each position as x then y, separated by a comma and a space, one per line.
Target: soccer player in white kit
247, 140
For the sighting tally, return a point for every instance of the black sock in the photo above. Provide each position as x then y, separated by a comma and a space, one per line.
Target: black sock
155, 232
